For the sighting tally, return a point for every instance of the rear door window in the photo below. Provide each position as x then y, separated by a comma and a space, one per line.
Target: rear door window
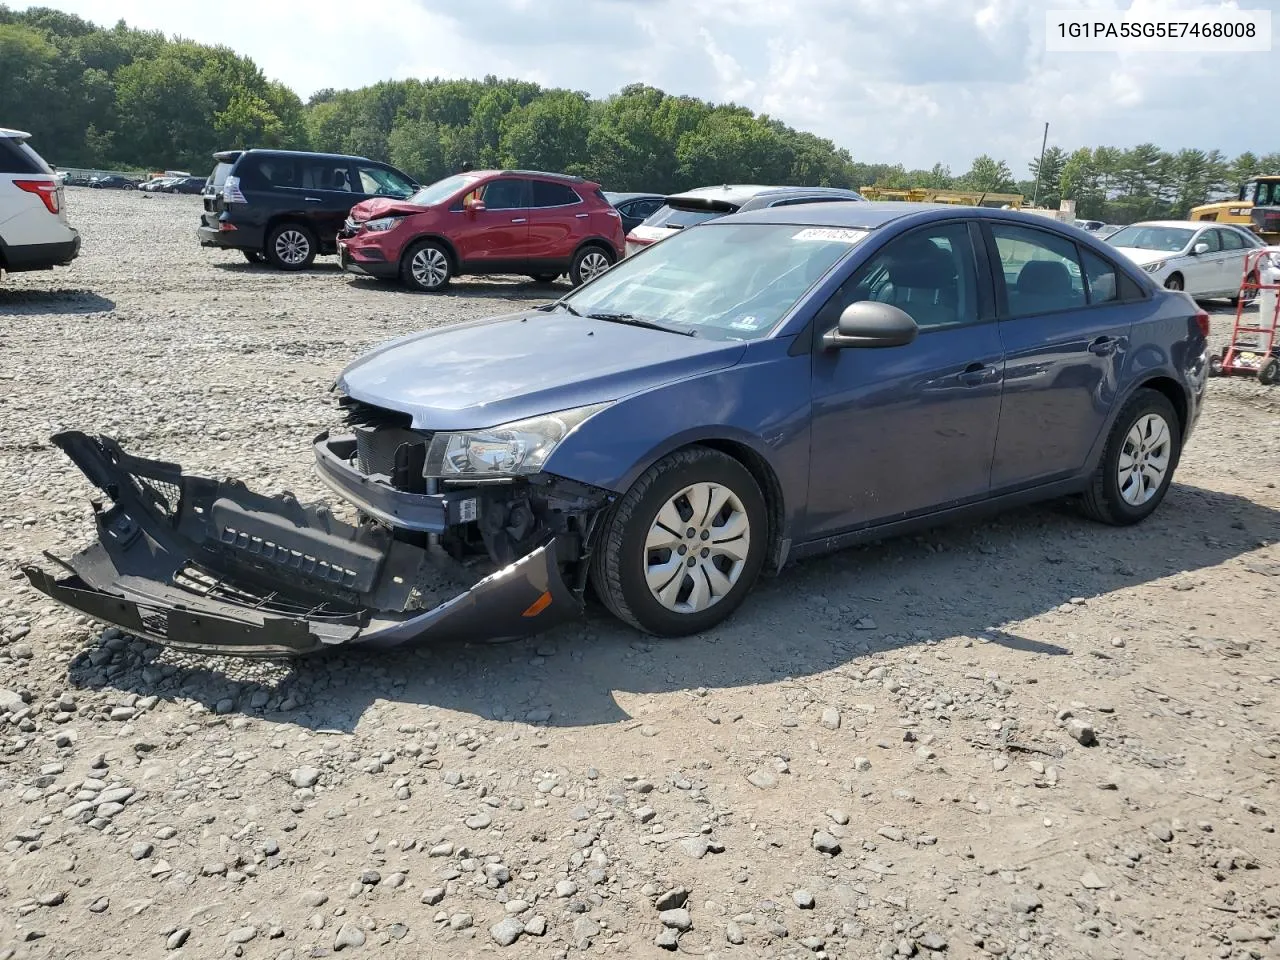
552, 195
320, 173
1041, 271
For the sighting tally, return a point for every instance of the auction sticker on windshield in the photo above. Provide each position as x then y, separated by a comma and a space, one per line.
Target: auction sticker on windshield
830, 234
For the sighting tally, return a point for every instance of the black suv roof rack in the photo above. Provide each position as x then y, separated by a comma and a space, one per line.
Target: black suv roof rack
567, 177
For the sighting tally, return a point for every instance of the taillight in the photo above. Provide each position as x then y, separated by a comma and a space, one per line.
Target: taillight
231, 191
1202, 321
44, 189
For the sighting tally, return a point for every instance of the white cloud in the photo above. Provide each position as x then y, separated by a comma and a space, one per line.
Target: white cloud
912, 82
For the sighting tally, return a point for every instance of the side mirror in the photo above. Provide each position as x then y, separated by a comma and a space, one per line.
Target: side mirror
474, 206
1200, 248
870, 323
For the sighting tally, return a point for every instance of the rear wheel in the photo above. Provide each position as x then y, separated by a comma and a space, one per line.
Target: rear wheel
1174, 282
1249, 297
682, 548
1269, 371
589, 263
426, 266
253, 256
545, 277
1138, 462
291, 246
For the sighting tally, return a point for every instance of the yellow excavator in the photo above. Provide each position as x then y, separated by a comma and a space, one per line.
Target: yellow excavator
962, 198
1257, 206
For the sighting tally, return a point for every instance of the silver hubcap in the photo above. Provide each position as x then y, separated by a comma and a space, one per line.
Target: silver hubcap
292, 247
593, 264
429, 266
697, 547
1144, 459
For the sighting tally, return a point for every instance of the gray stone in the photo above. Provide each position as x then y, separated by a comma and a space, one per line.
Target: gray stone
824, 842
141, 850
536, 926
677, 919
584, 929
1024, 901
243, 934
802, 899
830, 718
566, 889
667, 939
933, 941
1091, 881
763, 779
478, 821
177, 938
673, 898
695, 847
349, 935
733, 933
305, 777
506, 932
1081, 731
432, 895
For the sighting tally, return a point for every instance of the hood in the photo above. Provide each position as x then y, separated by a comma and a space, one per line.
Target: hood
1143, 257
384, 207
487, 372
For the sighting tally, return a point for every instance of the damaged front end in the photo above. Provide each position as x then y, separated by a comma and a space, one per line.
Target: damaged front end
210, 566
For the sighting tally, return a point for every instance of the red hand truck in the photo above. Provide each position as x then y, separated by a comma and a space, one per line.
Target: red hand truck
1253, 349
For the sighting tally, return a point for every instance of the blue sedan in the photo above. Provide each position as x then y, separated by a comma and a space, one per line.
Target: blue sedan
761, 388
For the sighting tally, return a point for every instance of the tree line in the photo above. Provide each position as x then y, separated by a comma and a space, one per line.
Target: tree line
123, 98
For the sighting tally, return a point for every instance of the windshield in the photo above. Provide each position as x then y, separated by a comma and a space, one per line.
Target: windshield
724, 282
677, 218
442, 190
1138, 237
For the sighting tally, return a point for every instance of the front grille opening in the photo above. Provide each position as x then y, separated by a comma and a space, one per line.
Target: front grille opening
386, 446
163, 496
358, 413
197, 580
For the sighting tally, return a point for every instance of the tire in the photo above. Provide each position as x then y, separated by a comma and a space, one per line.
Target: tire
545, 277
1235, 301
291, 246
1174, 282
426, 266
1215, 365
253, 256
588, 263
1107, 499
622, 563
1269, 371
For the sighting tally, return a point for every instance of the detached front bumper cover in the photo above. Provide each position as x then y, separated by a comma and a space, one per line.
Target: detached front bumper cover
212, 567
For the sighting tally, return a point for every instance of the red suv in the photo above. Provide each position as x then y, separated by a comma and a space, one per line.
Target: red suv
487, 221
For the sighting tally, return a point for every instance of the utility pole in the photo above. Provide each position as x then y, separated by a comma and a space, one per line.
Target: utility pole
1040, 166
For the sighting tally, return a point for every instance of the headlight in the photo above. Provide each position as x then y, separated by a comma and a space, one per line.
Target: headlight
1154, 267
381, 224
513, 448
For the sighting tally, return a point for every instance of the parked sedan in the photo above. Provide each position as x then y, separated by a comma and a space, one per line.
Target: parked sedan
114, 182
634, 208
1205, 260
185, 185
767, 387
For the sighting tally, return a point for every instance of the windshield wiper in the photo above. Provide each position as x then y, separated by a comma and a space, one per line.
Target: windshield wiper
548, 307
634, 321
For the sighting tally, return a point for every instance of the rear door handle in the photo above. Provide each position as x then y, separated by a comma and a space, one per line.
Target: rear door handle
582, 216
313, 200
519, 219
976, 374
1104, 346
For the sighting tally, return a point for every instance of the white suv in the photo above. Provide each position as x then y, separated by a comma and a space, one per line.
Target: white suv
34, 233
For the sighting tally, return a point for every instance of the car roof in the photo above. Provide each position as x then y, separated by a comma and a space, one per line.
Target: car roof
865, 216
14, 134
1187, 224
233, 155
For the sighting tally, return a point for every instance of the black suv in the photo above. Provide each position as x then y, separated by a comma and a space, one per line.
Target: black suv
286, 206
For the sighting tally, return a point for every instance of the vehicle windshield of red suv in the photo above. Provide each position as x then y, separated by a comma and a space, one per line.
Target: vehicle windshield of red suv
441, 190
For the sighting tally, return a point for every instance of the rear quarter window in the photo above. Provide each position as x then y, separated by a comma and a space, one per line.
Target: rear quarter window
16, 156
220, 174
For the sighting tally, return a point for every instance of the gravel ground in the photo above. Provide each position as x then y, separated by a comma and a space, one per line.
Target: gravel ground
1033, 737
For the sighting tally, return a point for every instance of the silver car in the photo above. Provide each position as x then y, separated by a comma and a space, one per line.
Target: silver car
1204, 259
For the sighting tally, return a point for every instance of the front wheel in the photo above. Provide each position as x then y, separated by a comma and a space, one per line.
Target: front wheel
1249, 297
1138, 462
681, 549
589, 263
1269, 371
1174, 283
291, 246
426, 267
544, 277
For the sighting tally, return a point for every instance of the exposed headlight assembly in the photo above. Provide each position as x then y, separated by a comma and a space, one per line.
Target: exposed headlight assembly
381, 224
508, 450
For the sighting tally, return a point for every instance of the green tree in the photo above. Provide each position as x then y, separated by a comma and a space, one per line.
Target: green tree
989, 175
1049, 176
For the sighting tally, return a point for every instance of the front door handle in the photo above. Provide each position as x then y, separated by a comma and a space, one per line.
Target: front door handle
582, 216
1104, 346
519, 219
313, 199
976, 374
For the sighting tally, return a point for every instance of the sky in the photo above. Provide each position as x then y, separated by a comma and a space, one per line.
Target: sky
909, 81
